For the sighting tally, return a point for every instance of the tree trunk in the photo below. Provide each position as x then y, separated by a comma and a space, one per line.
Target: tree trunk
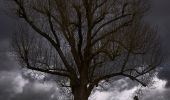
81, 93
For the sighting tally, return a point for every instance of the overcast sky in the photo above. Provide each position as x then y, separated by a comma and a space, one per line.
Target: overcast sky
15, 85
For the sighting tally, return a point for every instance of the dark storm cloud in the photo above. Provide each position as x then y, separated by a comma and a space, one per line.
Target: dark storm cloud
159, 15
7, 23
7, 62
7, 26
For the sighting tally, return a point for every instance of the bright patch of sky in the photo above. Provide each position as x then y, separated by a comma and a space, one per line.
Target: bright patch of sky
14, 80
157, 89
19, 82
114, 93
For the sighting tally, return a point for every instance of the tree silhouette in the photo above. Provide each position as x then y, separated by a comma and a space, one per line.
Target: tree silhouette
87, 41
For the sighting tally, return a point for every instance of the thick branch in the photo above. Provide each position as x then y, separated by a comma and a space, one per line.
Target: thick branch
79, 25
53, 72
52, 29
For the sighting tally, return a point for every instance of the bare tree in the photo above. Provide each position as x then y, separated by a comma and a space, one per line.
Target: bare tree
87, 41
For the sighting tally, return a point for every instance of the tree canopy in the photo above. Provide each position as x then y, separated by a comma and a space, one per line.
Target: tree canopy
87, 41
